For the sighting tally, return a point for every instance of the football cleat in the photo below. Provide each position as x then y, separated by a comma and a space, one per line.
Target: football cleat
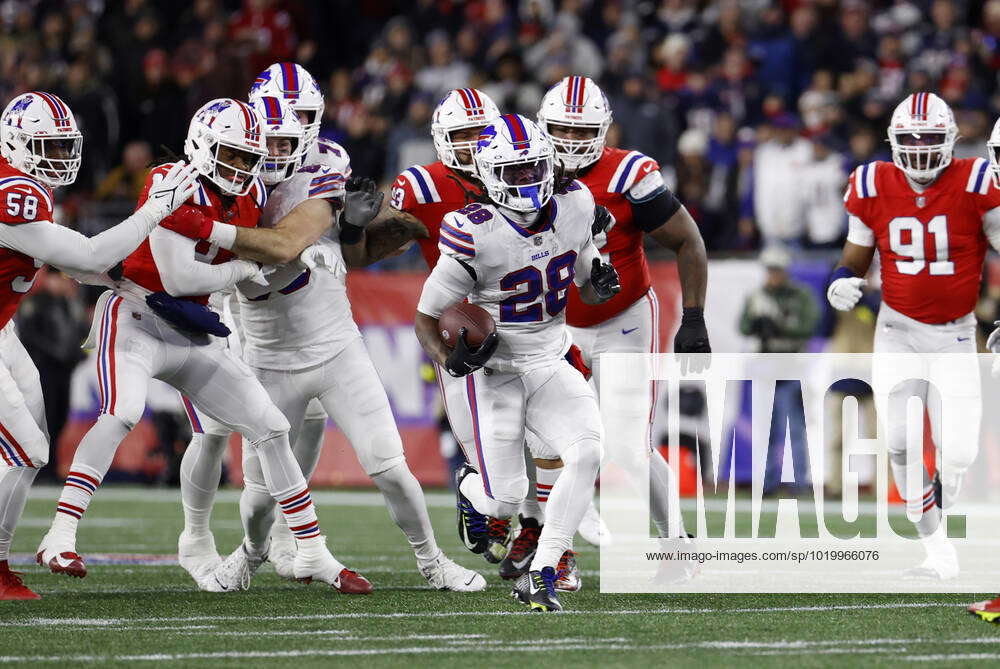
58, 552
672, 572
988, 610
471, 524
522, 550
11, 587
234, 573
941, 563
537, 590
500, 534
592, 527
282, 558
325, 568
444, 574
198, 556
568, 574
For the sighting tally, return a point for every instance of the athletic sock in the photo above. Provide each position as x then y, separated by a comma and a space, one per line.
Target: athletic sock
664, 506
201, 469
568, 502
405, 500
545, 479
90, 463
930, 514
15, 484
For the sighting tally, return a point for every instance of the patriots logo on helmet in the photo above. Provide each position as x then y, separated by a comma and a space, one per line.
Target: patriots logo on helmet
486, 137
22, 104
218, 107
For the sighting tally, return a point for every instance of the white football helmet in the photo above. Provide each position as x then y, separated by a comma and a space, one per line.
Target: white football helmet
514, 160
576, 102
993, 149
35, 126
236, 126
922, 134
461, 109
280, 122
292, 83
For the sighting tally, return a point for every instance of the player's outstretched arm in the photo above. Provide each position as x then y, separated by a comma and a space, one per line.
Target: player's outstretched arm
384, 237
847, 280
75, 253
182, 275
680, 234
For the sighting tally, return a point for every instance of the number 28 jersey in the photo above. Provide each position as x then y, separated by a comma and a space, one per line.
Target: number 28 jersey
520, 276
932, 244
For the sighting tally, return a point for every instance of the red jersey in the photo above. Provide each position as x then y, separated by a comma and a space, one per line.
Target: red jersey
428, 192
931, 244
22, 200
244, 212
610, 179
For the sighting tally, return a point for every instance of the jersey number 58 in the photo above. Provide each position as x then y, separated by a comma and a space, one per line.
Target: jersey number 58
22, 206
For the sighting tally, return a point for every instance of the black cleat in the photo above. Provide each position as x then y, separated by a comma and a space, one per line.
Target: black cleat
938, 496
522, 550
537, 589
500, 534
471, 524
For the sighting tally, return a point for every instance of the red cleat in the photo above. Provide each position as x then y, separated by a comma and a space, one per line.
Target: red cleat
351, 583
988, 611
68, 563
11, 587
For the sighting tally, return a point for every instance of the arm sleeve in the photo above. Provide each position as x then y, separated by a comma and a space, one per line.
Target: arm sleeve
585, 263
652, 202
182, 275
859, 233
69, 250
991, 227
448, 284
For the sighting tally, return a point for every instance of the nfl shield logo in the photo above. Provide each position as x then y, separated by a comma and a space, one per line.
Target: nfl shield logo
538, 240
921, 201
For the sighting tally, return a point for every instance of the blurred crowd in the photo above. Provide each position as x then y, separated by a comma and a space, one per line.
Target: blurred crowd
741, 101
757, 110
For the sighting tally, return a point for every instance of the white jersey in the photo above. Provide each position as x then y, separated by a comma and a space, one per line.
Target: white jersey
521, 277
303, 318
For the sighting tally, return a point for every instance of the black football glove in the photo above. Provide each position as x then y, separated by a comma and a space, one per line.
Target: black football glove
602, 220
362, 202
604, 279
464, 360
692, 337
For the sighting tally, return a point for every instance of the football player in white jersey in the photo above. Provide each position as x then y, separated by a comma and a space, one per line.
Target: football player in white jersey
302, 342
516, 256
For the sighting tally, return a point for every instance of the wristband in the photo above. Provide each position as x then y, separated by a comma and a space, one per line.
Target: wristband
350, 234
692, 315
841, 273
223, 234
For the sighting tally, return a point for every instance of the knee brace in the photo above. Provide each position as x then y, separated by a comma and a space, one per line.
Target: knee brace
382, 451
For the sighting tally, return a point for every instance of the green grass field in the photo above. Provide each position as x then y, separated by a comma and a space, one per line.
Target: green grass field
132, 615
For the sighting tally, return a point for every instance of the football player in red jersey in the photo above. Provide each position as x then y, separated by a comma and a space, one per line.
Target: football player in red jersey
931, 218
576, 116
155, 324
40, 145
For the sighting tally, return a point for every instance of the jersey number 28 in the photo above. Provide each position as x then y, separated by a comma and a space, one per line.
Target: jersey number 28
523, 307
914, 247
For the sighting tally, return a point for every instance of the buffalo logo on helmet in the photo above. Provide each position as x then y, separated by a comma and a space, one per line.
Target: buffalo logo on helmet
486, 137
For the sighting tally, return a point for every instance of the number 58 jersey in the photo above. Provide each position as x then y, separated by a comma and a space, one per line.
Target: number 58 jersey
520, 276
932, 243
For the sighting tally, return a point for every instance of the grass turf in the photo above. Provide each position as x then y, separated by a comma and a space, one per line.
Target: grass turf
124, 615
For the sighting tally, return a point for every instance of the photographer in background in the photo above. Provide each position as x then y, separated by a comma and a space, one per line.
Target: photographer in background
782, 315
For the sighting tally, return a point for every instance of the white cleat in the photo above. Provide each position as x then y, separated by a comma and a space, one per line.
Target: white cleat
941, 563
58, 552
321, 566
235, 572
444, 574
592, 527
282, 557
198, 556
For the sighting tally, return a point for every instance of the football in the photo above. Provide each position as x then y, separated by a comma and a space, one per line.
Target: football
476, 320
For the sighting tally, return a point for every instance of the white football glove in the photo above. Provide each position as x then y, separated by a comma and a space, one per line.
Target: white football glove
256, 273
844, 293
170, 191
323, 256
993, 342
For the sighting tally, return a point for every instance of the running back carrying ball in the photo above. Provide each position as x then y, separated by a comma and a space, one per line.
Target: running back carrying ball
477, 322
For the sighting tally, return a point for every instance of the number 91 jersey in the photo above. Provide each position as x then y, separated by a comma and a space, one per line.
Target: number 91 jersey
522, 276
22, 200
932, 244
